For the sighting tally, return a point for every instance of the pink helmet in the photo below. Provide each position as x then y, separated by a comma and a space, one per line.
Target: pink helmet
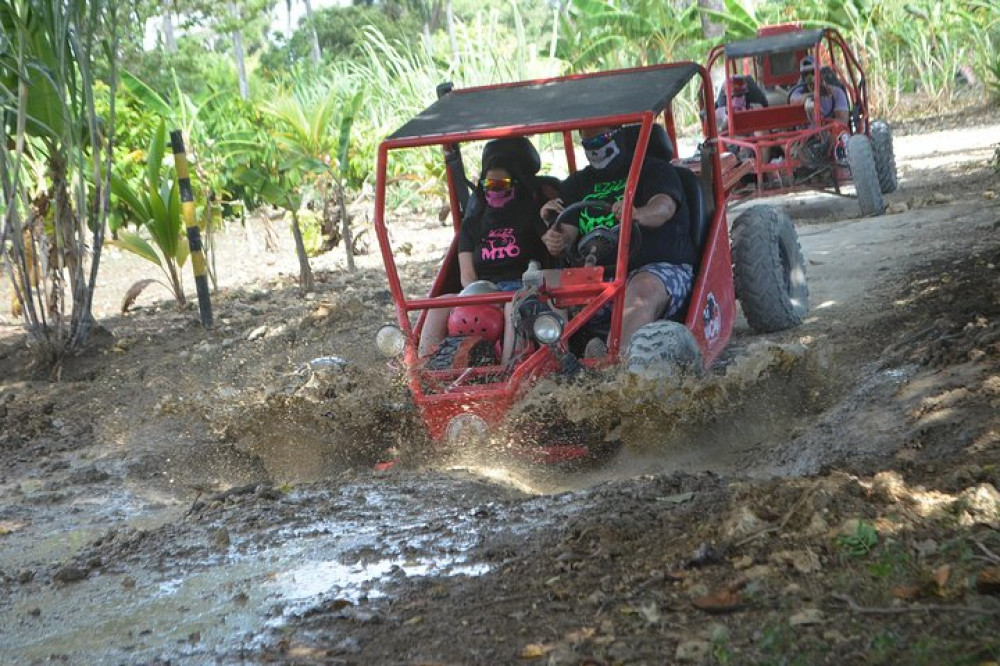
486, 321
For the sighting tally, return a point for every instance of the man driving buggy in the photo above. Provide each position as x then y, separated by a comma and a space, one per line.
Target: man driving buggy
661, 272
832, 98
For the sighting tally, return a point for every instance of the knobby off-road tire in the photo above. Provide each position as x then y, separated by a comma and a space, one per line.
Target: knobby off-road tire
769, 269
885, 159
863, 172
663, 349
458, 351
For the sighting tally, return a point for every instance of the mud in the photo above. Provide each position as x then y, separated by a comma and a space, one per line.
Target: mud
187, 496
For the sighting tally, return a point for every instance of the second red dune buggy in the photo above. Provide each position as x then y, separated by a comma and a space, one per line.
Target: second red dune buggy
464, 387
808, 126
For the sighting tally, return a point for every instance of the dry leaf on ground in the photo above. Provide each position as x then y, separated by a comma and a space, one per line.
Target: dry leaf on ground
719, 602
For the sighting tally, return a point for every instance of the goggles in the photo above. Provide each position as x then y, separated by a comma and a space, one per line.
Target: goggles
599, 141
497, 184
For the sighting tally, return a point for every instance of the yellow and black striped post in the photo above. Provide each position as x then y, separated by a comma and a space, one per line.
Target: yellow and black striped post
193, 230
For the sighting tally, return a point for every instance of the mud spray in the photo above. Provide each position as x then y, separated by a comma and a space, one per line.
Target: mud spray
332, 415
713, 422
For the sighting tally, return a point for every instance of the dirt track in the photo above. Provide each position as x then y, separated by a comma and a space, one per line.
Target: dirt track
200, 497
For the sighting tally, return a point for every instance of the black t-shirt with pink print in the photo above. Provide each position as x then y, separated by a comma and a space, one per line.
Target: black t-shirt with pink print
503, 240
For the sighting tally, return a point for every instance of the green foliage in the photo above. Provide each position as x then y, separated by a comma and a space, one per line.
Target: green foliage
599, 34
193, 69
993, 77
312, 232
154, 206
340, 31
48, 53
861, 542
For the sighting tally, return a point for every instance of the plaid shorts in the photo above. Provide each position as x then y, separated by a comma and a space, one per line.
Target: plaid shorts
677, 280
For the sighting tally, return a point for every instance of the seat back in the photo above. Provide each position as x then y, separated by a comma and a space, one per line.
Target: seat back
783, 117
523, 158
659, 146
517, 151
697, 210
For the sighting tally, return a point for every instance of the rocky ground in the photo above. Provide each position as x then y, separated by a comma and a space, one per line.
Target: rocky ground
826, 495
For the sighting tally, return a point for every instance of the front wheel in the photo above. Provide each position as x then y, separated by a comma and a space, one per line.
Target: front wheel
863, 171
885, 159
663, 349
769, 269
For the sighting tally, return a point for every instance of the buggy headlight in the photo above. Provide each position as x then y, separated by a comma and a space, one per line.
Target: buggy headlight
390, 341
547, 327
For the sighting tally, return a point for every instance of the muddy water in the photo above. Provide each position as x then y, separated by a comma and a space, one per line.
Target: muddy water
192, 579
227, 575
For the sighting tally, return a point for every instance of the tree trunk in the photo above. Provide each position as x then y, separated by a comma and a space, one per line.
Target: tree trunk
239, 55
709, 28
313, 34
175, 282
345, 225
305, 271
169, 42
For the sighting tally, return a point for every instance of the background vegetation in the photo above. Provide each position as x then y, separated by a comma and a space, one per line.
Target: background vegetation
291, 115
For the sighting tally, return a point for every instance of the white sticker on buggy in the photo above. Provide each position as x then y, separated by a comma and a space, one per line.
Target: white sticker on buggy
711, 317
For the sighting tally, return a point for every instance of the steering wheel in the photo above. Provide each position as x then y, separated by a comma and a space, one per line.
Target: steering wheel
600, 246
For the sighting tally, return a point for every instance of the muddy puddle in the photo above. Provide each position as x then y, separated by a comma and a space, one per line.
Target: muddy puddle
226, 574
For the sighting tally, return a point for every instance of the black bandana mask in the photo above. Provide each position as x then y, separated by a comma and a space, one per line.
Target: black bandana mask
607, 155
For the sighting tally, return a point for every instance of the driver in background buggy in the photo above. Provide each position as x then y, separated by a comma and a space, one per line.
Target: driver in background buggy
661, 272
498, 237
832, 97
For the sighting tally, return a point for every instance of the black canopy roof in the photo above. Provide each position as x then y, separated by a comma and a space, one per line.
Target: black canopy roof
786, 41
550, 101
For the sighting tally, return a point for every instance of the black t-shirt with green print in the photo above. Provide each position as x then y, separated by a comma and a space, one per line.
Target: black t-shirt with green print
670, 242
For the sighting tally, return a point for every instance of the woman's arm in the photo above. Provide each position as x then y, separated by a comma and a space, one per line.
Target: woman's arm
466, 269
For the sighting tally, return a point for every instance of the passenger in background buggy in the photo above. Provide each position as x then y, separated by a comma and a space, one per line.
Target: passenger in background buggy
500, 234
746, 95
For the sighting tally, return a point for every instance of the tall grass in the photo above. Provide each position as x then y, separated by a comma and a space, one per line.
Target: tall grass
47, 61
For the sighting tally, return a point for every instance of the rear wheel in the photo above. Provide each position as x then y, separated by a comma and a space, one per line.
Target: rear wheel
863, 172
885, 159
769, 269
663, 349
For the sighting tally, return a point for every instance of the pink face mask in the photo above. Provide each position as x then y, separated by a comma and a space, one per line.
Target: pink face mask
499, 198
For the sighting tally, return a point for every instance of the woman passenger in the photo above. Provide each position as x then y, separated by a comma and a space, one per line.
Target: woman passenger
496, 242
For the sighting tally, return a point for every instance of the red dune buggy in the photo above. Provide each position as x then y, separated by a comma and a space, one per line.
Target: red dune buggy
791, 135
463, 387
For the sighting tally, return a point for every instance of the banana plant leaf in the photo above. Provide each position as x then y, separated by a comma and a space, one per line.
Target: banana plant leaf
149, 98
136, 244
154, 156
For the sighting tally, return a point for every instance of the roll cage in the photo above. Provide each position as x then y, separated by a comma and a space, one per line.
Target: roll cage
773, 58
561, 106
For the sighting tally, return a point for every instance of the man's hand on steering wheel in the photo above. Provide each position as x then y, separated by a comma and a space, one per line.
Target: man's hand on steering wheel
618, 208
